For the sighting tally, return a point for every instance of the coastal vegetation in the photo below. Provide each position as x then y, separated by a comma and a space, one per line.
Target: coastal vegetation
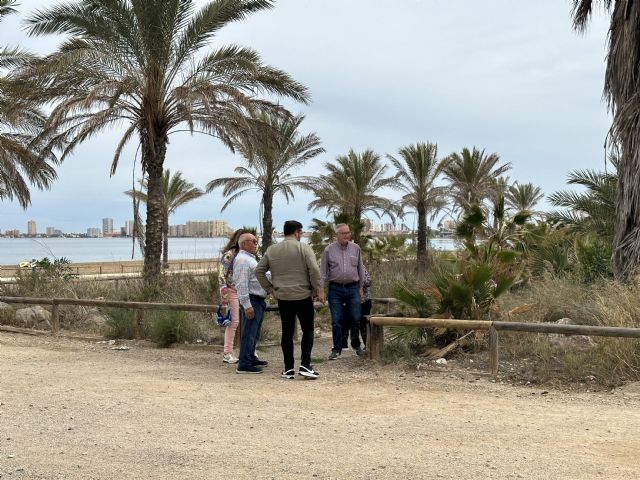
146, 65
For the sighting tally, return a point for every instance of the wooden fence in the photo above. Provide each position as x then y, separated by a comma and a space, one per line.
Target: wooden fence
375, 332
140, 307
376, 325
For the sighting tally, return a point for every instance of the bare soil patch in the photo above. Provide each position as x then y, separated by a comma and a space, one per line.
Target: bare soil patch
72, 409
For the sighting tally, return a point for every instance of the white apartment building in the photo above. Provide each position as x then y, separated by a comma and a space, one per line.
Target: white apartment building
107, 226
31, 228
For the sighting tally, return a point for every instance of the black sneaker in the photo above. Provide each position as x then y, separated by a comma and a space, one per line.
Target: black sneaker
334, 355
289, 374
259, 363
251, 369
308, 372
359, 352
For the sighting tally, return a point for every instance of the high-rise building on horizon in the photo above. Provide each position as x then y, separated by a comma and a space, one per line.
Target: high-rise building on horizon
129, 226
206, 228
94, 232
51, 231
31, 228
107, 226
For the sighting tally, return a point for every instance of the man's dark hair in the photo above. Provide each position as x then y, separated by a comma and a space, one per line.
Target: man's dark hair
291, 227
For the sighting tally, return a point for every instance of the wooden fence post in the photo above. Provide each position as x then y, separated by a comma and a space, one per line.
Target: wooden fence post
376, 341
493, 350
55, 319
138, 325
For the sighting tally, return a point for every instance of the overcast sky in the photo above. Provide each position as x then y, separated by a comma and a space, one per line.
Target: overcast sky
508, 77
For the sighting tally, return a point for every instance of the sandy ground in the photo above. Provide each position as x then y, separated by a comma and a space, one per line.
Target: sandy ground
79, 410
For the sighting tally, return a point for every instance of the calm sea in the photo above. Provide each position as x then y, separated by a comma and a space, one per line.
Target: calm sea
16, 250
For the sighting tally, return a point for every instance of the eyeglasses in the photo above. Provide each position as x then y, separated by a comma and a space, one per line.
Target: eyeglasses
344, 233
255, 242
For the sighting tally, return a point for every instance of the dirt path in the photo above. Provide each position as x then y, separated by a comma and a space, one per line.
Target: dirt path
78, 410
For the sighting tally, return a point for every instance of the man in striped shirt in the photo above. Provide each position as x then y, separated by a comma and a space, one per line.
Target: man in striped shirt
252, 304
341, 267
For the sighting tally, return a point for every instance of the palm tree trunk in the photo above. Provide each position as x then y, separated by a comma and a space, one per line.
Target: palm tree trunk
422, 253
153, 161
267, 219
165, 242
626, 253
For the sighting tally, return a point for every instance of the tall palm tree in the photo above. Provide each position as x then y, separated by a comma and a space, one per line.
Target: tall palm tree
176, 191
621, 89
471, 175
270, 161
591, 212
143, 64
21, 161
351, 187
418, 170
523, 196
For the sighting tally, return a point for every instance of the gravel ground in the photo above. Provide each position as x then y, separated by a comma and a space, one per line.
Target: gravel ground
73, 409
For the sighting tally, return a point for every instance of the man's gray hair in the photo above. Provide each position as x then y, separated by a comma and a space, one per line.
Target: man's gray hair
340, 225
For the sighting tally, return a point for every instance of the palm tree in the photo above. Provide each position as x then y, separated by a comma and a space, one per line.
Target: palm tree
621, 88
418, 171
142, 64
591, 212
523, 196
471, 176
21, 160
351, 188
6, 7
176, 192
269, 163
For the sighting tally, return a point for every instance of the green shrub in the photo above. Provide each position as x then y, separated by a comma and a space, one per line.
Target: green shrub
169, 327
120, 323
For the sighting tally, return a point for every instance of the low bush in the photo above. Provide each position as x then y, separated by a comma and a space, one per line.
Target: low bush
169, 327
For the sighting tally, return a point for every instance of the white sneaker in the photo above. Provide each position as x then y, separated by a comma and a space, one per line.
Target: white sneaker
229, 358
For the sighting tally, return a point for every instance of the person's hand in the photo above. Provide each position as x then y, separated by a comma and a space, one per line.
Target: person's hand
224, 295
249, 313
321, 297
361, 295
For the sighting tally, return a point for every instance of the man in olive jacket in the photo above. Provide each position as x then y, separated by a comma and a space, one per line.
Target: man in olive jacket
295, 278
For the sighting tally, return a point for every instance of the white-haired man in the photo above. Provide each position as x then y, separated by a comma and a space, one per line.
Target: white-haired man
252, 305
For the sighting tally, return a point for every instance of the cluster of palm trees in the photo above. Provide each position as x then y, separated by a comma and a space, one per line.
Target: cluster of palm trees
151, 68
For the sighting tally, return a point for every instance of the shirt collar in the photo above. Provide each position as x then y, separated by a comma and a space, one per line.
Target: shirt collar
247, 253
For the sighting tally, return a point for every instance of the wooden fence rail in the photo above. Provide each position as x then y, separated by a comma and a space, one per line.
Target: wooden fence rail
375, 332
141, 306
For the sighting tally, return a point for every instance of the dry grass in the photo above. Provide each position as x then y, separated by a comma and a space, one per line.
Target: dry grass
609, 362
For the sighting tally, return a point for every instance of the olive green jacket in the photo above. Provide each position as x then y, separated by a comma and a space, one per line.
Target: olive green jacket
294, 271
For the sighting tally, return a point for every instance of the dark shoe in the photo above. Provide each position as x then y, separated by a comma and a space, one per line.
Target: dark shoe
251, 369
259, 363
359, 352
308, 372
334, 355
289, 374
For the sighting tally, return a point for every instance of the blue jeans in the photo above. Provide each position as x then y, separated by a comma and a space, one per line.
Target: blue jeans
250, 332
350, 298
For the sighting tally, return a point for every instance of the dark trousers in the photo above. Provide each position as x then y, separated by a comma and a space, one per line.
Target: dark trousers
366, 310
250, 332
341, 297
289, 310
